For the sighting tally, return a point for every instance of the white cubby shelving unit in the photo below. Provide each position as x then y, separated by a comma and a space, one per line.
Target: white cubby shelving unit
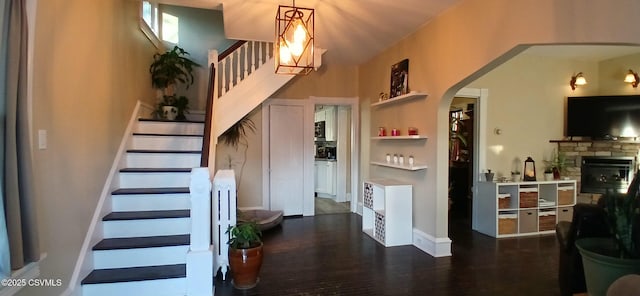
386, 212
522, 208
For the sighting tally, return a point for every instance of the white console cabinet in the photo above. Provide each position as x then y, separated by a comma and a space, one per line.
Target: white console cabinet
387, 212
522, 208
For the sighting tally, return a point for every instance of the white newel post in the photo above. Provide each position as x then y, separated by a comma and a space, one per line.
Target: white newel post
224, 209
200, 254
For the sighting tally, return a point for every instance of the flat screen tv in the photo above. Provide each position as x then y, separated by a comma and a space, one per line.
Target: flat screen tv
603, 117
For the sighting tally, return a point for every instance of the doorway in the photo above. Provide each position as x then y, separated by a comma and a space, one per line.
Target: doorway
461, 134
301, 200
468, 108
332, 158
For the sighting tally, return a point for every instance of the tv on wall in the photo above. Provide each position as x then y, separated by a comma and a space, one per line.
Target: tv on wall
603, 117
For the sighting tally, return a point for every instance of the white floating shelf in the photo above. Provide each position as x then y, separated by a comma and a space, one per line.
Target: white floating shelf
409, 96
412, 137
414, 167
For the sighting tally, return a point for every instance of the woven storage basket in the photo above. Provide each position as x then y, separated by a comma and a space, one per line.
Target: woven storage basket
507, 225
528, 199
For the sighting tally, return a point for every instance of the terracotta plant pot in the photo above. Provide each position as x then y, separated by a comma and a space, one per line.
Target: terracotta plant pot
245, 266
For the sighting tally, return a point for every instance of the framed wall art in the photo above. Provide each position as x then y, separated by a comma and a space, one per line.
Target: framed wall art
399, 79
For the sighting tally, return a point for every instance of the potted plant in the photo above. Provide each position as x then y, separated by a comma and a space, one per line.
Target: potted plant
172, 107
245, 254
515, 176
556, 164
607, 259
167, 71
548, 174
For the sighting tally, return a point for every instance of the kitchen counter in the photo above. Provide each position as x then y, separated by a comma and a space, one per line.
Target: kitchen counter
325, 159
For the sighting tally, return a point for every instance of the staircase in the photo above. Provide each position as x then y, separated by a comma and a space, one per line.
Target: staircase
146, 235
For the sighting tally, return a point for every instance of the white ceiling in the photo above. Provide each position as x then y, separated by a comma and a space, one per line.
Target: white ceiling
354, 31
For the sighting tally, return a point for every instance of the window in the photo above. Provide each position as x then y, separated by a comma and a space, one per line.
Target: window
170, 28
149, 21
158, 26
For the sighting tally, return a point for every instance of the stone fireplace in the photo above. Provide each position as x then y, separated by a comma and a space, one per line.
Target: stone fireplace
578, 150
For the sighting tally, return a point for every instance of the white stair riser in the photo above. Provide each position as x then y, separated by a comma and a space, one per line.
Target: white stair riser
150, 202
163, 160
166, 287
140, 257
146, 227
166, 142
154, 180
183, 128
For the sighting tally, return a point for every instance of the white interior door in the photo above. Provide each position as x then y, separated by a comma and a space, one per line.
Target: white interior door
286, 161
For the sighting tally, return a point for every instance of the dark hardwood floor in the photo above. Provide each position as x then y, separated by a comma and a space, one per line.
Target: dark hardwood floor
329, 255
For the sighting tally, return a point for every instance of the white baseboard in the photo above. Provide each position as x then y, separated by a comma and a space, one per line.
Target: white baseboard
436, 247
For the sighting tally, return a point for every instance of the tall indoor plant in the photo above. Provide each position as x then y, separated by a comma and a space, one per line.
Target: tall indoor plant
168, 70
245, 254
607, 259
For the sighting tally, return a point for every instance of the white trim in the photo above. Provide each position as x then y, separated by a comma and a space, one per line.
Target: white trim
144, 27
480, 137
434, 246
250, 208
354, 103
84, 264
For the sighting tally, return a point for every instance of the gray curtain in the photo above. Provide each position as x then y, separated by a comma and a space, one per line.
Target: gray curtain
19, 199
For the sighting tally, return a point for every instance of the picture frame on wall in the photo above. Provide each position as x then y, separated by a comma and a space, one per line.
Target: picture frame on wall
399, 78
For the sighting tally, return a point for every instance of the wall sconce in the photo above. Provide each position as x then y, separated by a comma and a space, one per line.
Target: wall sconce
576, 80
632, 78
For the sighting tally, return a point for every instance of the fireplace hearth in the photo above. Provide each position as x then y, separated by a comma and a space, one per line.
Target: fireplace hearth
602, 173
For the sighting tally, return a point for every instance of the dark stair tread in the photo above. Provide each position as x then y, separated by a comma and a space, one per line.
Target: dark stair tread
165, 190
167, 135
132, 274
166, 120
142, 242
136, 215
164, 151
156, 170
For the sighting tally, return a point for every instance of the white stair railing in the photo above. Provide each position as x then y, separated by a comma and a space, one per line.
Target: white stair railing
224, 215
241, 63
200, 254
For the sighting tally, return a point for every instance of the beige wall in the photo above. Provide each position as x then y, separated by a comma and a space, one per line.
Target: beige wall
331, 80
611, 74
527, 98
90, 67
461, 45
246, 162
328, 81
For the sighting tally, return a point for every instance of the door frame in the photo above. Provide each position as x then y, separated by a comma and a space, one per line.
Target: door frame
308, 154
479, 139
354, 103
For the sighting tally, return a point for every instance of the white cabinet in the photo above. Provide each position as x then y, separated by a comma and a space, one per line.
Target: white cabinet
386, 212
522, 208
326, 176
331, 124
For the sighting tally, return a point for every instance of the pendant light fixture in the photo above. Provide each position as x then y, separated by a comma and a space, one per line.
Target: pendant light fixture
293, 47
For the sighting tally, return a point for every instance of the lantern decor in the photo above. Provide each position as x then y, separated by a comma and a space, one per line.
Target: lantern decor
529, 170
293, 47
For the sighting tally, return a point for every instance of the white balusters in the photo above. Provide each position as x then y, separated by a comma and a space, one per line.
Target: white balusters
253, 56
223, 70
246, 65
241, 63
